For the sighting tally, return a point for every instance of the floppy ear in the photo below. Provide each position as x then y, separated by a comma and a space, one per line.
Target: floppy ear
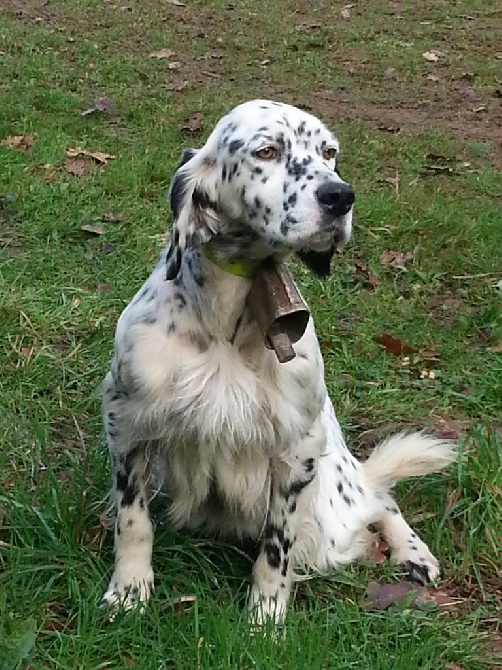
318, 261
192, 196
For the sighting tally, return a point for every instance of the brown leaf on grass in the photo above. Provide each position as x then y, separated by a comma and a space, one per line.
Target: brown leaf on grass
163, 53
171, 86
98, 156
389, 129
378, 552
382, 596
393, 345
390, 73
22, 143
364, 271
181, 600
77, 166
395, 259
112, 217
92, 229
432, 56
193, 123
449, 427
102, 105
176, 3
27, 353
497, 349
174, 65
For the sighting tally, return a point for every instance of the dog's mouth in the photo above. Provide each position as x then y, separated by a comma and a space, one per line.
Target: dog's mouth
331, 236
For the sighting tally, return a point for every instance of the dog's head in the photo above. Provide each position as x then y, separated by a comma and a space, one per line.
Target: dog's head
265, 183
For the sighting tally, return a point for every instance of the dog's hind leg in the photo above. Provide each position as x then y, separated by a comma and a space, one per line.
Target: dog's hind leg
406, 548
132, 579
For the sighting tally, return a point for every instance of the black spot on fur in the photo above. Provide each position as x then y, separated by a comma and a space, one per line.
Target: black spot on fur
273, 555
234, 146
297, 487
417, 573
181, 300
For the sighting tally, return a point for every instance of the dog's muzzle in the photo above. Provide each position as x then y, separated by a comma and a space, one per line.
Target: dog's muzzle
335, 198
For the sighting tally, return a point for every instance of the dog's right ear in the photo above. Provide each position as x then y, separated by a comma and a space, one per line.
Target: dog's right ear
192, 196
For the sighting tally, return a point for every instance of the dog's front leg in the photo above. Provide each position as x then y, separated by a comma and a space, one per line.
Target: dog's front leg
132, 579
294, 487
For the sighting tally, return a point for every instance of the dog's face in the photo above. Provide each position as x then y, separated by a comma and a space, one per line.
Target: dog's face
265, 183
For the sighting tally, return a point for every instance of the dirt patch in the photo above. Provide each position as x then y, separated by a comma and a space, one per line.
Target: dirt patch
416, 116
35, 11
365, 64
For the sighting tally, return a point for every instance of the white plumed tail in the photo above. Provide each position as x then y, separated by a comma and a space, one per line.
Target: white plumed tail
407, 455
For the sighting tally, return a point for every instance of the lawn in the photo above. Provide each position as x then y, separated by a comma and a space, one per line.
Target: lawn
410, 322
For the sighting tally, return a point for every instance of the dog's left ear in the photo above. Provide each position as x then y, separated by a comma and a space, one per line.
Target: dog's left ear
192, 196
318, 261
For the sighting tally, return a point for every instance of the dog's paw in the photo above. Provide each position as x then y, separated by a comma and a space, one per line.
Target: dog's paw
422, 567
264, 610
126, 591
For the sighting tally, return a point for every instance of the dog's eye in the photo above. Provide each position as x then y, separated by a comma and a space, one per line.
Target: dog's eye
266, 154
329, 153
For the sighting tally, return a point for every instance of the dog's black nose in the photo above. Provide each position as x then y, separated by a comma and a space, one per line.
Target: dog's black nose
335, 197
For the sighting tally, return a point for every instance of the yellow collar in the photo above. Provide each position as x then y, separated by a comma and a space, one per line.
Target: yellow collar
246, 267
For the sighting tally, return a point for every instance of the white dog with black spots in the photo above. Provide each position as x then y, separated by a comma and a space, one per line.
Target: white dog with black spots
247, 446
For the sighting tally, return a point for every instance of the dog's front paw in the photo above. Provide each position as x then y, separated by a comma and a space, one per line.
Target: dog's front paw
128, 590
421, 566
265, 608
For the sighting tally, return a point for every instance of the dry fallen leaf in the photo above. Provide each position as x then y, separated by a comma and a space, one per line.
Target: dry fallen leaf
112, 217
176, 3
395, 259
393, 345
364, 271
92, 229
98, 156
174, 65
432, 56
450, 428
389, 129
27, 353
379, 552
163, 53
23, 143
193, 123
171, 86
182, 600
345, 12
77, 166
382, 596
102, 105
390, 73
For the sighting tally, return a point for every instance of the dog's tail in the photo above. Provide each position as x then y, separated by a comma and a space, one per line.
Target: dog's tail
407, 455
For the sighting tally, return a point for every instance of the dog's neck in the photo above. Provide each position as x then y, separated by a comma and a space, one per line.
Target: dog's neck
218, 296
241, 267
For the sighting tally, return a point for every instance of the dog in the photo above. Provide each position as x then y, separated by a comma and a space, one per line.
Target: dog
247, 446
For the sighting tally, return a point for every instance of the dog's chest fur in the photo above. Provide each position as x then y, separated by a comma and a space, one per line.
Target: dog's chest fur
223, 413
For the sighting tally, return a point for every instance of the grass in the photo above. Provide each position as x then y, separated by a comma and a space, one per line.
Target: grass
63, 290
